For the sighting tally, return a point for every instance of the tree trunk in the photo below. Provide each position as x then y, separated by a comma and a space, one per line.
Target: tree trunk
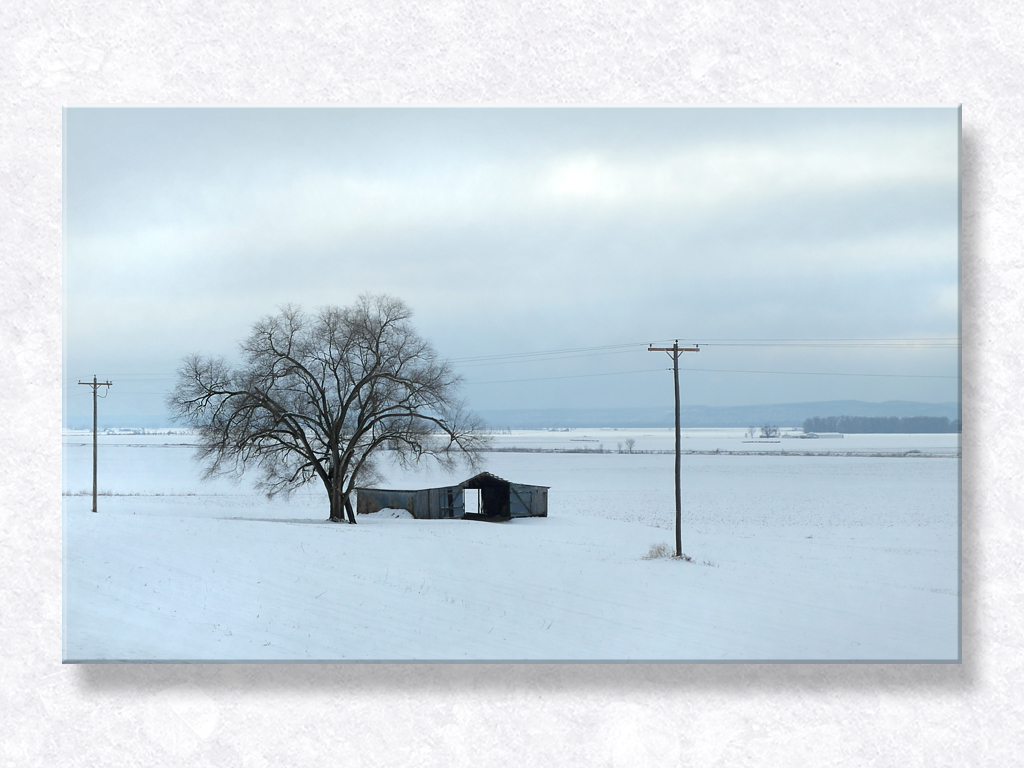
339, 503
350, 511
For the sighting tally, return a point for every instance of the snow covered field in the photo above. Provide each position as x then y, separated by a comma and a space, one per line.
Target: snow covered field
727, 440
795, 557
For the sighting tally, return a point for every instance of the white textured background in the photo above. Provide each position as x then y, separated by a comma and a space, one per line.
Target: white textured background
608, 52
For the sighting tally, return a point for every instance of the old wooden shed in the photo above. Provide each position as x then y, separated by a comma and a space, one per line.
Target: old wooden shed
498, 499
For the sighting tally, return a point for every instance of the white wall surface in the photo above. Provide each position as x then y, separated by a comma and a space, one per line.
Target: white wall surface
606, 52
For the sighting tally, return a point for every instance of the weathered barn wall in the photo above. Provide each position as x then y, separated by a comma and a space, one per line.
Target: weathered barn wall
425, 504
528, 500
369, 500
443, 503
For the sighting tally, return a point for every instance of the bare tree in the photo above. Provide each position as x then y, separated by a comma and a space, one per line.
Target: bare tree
769, 430
630, 445
319, 395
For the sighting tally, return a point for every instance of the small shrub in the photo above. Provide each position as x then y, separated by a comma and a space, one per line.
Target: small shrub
658, 550
664, 550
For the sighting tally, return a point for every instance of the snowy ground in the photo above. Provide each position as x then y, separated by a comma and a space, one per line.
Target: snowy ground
795, 557
726, 440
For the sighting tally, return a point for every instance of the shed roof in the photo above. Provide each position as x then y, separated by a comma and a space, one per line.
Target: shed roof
488, 476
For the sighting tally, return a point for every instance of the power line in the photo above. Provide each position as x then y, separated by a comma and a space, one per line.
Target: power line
849, 345
826, 373
721, 370
510, 355
930, 342
569, 353
571, 376
545, 359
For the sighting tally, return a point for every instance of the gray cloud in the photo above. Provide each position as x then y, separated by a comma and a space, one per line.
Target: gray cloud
520, 230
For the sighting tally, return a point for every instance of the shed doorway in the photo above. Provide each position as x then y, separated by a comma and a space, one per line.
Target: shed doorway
472, 500
494, 500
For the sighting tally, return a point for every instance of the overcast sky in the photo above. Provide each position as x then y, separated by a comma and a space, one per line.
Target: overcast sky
526, 230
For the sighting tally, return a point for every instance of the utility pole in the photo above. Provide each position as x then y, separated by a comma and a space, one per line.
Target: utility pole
675, 350
95, 387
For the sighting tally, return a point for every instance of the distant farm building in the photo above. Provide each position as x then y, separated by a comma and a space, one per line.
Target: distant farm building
499, 499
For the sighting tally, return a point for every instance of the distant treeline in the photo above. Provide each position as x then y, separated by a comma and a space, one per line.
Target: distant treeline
881, 424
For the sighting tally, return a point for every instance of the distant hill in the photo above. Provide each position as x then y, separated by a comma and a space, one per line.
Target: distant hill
779, 414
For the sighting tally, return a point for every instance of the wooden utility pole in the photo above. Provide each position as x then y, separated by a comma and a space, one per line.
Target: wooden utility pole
675, 350
95, 387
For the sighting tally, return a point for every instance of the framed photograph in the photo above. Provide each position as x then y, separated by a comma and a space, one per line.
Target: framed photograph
512, 384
